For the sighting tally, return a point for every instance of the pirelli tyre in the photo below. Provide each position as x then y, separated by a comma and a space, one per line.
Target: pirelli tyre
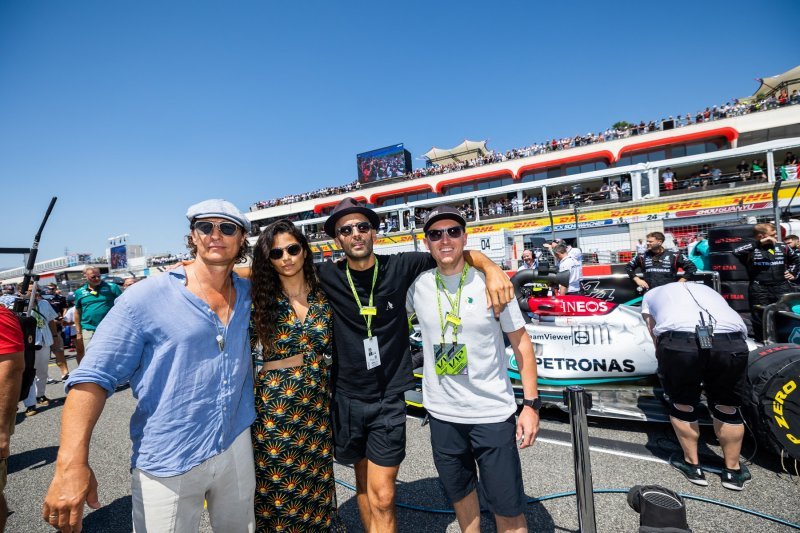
726, 238
771, 403
735, 293
729, 267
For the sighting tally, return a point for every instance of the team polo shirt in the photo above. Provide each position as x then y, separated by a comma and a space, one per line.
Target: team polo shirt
10, 333
677, 307
395, 374
94, 304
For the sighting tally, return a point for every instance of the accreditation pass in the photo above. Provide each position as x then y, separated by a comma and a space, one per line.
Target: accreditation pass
372, 353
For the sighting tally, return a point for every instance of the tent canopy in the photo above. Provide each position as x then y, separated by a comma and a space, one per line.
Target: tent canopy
790, 79
463, 152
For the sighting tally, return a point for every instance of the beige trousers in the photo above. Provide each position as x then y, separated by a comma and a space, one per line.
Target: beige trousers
227, 482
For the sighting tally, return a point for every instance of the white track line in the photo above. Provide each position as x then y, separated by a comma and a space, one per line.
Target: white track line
606, 450
593, 449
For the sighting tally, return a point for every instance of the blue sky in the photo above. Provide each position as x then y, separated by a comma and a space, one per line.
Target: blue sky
131, 111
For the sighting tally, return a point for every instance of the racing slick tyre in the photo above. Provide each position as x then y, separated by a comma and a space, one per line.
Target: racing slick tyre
729, 266
771, 403
736, 294
726, 238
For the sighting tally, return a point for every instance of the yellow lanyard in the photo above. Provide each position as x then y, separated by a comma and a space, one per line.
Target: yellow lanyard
369, 311
455, 304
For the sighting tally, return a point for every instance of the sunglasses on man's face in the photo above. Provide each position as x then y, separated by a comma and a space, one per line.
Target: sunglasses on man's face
229, 229
362, 227
453, 232
292, 249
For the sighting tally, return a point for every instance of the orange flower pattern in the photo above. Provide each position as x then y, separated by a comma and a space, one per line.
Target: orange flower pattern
292, 437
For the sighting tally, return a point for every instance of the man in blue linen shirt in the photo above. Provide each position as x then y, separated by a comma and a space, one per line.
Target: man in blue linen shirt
181, 340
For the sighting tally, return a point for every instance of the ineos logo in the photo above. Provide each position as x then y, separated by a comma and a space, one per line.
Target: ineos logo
590, 306
581, 337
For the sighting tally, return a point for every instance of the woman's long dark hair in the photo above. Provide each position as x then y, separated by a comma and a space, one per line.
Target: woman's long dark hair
266, 283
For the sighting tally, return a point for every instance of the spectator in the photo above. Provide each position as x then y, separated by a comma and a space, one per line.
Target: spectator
705, 176
641, 247
668, 178
698, 253
626, 187
613, 192
743, 169
758, 172
46, 332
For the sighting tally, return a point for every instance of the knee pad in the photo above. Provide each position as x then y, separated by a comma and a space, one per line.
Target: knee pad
734, 418
684, 416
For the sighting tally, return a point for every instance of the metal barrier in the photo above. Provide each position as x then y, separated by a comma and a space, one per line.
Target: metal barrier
578, 402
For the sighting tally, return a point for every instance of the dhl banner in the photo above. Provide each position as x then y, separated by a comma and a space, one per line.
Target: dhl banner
621, 214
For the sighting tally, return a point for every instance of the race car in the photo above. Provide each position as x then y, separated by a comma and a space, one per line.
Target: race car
598, 341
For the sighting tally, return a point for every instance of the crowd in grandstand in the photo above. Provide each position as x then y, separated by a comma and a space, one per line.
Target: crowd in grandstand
163, 260
294, 198
729, 109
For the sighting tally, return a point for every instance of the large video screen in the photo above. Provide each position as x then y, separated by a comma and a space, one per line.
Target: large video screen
384, 163
119, 257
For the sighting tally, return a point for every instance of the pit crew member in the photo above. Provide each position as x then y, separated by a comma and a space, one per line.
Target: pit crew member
686, 366
659, 265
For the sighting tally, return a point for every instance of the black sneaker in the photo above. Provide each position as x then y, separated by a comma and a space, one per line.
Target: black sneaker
30, 411
51, 381
692, 472
735, 479
65, 377
43, 401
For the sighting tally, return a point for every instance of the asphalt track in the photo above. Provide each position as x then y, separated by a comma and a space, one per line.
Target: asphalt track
623, 454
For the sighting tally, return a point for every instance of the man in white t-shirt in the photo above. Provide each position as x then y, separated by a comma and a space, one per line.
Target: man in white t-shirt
673, 314
46, 331
466, 388
567, 263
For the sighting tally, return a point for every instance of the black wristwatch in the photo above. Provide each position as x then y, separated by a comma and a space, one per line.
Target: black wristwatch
534, 403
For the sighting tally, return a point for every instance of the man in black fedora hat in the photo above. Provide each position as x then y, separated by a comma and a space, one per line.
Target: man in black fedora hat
372, 363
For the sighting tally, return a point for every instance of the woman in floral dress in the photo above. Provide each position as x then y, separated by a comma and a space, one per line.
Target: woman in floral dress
292, 339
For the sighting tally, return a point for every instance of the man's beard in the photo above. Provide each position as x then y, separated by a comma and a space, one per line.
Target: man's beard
366, 251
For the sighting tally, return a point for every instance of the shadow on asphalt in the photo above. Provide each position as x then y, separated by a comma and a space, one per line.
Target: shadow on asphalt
54, 404
426, 510
32, 459
112, 518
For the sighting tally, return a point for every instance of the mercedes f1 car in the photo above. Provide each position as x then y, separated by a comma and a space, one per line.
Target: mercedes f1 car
598, 341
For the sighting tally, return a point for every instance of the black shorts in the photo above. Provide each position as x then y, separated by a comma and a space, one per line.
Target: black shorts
685, 370
458, 447
372, 429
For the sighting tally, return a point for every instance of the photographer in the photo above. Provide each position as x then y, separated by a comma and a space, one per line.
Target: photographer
700, 344
771, 265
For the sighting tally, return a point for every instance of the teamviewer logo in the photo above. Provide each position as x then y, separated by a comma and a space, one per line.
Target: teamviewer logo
580, 337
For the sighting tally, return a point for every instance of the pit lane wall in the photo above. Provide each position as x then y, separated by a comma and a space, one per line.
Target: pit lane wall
502, 240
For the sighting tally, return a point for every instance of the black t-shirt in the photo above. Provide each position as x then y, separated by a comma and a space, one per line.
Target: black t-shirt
396, 273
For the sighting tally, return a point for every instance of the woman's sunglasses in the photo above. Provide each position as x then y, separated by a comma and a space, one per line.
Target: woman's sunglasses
229, 229
277, 253
362, 227
436, 234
